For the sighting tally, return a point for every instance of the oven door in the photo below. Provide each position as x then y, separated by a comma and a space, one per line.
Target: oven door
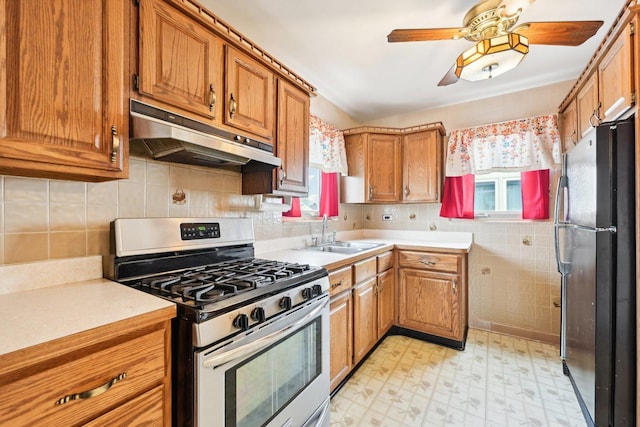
277, 375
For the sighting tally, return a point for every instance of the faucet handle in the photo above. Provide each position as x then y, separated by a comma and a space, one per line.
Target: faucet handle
333, 237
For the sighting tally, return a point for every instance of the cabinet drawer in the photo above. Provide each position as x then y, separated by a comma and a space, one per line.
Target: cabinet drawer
385, 261
430, 261
364, 269
32, 400
339, 280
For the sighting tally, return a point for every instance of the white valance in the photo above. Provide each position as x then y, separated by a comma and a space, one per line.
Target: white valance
326, 147
513, 146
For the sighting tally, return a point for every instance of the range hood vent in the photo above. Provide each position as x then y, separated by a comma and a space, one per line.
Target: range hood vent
170, 137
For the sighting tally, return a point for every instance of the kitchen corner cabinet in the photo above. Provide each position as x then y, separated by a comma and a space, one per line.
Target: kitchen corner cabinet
433, 294
180, 61
249, 94
114, 374
63, 109
393, 165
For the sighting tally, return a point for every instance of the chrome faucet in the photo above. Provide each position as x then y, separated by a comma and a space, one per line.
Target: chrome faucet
324, 229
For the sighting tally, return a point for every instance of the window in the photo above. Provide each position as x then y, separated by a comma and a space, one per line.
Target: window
310, 205
498, 192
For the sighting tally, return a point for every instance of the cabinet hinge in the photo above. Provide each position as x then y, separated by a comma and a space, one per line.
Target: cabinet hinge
633, 98
136, 3
135, 82
632, 28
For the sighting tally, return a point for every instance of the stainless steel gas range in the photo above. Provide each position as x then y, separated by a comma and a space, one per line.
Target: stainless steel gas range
251, 339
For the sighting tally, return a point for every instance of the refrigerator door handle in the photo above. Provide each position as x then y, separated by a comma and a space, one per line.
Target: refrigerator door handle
562, 185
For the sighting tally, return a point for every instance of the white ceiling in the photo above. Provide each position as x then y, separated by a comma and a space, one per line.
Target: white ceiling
340, 47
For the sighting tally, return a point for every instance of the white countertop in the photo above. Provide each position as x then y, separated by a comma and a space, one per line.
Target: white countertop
288, 249
34, 316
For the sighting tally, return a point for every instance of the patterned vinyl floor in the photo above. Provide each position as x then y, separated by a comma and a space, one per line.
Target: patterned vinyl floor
497, 380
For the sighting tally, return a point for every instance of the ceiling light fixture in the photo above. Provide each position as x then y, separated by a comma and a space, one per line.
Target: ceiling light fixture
491, 57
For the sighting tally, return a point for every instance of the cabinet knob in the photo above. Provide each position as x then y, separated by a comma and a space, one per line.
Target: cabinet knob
212, 100
370, 192
454, 285
233, 105
115, 144
406, 191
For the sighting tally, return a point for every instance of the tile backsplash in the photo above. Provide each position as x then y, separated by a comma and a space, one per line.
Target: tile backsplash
512, 284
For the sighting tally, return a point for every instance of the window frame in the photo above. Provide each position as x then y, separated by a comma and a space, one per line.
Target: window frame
500, 197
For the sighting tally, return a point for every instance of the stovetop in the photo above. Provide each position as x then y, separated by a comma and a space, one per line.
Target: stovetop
201, 286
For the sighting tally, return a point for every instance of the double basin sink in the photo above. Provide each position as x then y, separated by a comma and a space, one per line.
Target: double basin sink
343, 247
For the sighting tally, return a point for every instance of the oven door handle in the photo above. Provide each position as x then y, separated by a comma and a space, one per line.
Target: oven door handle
242, 351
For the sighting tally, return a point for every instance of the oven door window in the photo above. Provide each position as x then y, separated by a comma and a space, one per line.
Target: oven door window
259, 387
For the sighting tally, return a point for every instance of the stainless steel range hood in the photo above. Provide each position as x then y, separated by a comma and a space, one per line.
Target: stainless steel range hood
170, 137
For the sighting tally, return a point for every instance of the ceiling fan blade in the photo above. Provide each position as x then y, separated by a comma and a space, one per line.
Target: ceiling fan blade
511, 7
425, 34
449, 78
561, 33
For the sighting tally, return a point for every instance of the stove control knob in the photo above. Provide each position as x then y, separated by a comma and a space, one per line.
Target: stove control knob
241, 322
317, 290
285, 303
307, 293
258, 314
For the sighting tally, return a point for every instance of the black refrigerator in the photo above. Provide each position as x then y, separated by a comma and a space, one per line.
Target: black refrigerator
595, 250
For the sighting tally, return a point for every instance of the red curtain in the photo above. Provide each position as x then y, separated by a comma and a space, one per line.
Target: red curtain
535, 194
329, 194
295, 208
457, 197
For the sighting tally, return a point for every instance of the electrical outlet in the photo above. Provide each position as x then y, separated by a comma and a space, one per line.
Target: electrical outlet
387, 217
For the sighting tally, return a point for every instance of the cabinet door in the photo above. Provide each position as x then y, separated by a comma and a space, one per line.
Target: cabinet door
341, 337
616, 77
587, 100
292, 143
422, 167
386, 301
249, 100
144, 410
181, 62
364, 319
430, 303
569, 127
384, 173
63, 110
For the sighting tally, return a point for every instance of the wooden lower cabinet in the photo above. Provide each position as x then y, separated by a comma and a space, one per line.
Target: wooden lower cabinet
386, 301
432, 293
341, 337
365, 330
117, 374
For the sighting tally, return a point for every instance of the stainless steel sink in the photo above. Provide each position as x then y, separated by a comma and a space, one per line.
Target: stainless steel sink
343, 247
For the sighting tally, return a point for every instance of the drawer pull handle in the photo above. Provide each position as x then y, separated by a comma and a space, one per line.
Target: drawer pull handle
426, 261
233, 105
115, 144
335, 285
93, 392
212, 101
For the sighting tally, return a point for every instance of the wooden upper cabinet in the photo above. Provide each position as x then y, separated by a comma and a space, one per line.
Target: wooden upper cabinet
181, 62
249, 94
588, 106
292, 139
616, 76
384, 173
63, 113
569, 126
422, 166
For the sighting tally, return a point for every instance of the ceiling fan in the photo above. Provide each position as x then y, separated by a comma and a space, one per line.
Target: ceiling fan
500, 44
